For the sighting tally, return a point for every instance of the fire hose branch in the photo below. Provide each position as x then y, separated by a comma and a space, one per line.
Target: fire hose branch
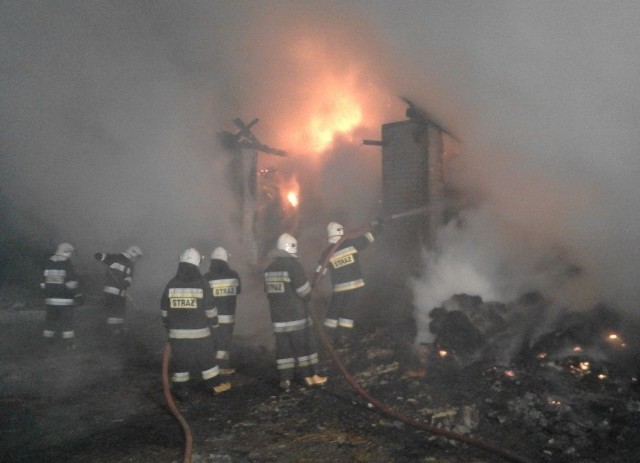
376, 403
188, 446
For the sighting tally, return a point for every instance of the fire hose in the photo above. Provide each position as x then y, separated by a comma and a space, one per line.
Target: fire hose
347, 376
188, 445
360, 391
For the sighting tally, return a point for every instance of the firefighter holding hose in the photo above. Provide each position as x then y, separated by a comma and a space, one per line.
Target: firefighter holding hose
288, 291
190, 316
341, 256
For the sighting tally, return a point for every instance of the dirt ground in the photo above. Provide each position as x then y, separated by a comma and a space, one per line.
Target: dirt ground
103, 402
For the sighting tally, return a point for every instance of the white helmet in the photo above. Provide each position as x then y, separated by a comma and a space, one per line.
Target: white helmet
334, 232
288, 243
191, 256
132, 252
64, 250
220, 253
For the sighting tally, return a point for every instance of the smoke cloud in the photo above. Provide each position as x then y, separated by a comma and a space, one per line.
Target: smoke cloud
111, 110
544, 96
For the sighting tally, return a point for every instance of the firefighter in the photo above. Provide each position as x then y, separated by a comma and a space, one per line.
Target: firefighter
342, 258
118, 278
190, 316
288, 291
60, 289
225, 287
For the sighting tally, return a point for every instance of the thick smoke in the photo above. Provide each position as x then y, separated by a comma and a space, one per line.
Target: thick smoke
110, 115
544, 97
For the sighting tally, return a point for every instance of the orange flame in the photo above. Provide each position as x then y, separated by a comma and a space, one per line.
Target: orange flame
332, 98
292, 197
290, 191
338, 117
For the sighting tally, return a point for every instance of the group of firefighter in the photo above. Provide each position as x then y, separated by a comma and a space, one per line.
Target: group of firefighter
60, 289
198, 310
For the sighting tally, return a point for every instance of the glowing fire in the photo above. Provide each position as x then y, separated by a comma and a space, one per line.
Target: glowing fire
615, 340
331, 99
290, 192
292, 197
340, 116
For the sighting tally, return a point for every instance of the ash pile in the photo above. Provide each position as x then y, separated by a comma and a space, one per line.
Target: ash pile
565, 391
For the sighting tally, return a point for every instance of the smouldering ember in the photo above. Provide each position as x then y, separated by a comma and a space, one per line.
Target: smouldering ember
615, 340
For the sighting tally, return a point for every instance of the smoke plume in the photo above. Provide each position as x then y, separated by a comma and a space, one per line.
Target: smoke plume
111, 110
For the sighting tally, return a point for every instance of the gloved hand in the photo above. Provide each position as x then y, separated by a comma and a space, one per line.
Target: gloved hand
377, 225
98, 256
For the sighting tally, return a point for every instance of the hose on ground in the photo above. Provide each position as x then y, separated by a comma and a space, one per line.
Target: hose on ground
188, 444
370, 399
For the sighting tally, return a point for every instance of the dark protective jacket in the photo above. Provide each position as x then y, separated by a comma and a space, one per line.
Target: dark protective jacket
344, 264
119, 275
225, 286
59, 284
287, 288
187, 305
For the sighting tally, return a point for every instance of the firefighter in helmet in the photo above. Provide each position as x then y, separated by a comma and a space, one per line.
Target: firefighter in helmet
225, 287
341, 256
288, 290
118, 278
190, 317
60, 289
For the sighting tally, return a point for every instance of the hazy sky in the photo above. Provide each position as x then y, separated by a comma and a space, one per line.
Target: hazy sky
110, 112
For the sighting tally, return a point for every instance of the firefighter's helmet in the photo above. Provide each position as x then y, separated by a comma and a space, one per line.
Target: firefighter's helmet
132, 252
64, 250
334, 232
191, 256
220, 253
288, 243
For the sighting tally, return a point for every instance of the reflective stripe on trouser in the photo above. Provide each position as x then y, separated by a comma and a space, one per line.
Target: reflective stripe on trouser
115, 291
222, 354
58, 301
226, 319
293, 325
189, 334
59, 319
296, 350
224, 335
193, 354
115, 308
348, 286
341, 322
343, 308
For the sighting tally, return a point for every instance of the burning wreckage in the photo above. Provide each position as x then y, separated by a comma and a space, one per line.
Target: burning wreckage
574, 388
492, 383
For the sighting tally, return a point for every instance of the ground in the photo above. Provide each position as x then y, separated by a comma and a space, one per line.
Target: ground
103, 402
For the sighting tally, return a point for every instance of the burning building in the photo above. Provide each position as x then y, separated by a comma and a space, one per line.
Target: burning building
255, 189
